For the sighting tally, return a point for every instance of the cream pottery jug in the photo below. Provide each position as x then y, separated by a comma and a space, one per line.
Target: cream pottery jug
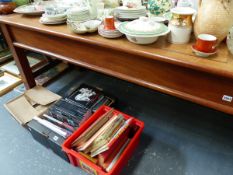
214, 17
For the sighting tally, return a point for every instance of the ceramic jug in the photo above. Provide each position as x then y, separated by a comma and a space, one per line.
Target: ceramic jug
214, 17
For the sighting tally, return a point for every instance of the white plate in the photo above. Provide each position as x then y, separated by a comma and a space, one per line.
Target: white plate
55, 17
123, 8
131, 13
28, 10
158, 19
128, 11
127, 16
51, 22
109, 36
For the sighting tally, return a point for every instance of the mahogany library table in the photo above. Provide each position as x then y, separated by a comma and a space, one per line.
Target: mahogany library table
168, 68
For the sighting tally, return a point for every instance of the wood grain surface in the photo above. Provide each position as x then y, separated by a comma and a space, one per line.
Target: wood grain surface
168, 68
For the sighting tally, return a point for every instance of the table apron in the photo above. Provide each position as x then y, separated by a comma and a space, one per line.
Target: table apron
196, 86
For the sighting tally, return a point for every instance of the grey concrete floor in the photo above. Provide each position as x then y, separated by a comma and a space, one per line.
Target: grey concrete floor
180, 138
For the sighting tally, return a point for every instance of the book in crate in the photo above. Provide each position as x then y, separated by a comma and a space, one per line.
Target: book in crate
105, 140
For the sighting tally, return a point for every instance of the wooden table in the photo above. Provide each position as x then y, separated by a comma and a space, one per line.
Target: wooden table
168, 68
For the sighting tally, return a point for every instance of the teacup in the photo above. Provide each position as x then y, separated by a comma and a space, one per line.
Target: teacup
206, 43
109, 23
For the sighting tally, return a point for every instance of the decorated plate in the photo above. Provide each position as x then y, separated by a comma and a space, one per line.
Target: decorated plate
29, 10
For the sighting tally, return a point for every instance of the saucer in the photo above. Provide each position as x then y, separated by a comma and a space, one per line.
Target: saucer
202, 54
47, 21
109, 33
56, 17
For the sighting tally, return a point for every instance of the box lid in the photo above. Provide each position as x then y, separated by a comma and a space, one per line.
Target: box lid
33, 102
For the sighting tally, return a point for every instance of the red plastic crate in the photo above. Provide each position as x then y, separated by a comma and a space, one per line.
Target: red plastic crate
77, 159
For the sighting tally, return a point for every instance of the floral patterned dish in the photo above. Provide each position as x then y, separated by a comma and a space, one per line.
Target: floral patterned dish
159, 7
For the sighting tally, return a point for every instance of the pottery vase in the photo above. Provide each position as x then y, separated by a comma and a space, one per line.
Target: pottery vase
7, 6
214, 17
159, 7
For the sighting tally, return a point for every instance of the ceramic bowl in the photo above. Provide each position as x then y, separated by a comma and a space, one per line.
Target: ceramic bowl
145, 39
143, 26
143, 31
158, 19
84, 27
142, 39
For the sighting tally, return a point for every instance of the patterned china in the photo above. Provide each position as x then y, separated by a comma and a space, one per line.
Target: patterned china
54, 14
29, 10
36, 8
159, 7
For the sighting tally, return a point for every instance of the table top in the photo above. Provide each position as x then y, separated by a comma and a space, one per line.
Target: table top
221, 63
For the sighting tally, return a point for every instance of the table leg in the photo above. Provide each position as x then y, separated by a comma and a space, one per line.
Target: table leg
20, 59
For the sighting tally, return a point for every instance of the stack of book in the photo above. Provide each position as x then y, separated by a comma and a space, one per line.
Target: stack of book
65, 116
105, 140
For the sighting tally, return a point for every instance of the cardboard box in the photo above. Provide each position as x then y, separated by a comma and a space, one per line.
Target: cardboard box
33, 102
55, 143
47, 137
39, 132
